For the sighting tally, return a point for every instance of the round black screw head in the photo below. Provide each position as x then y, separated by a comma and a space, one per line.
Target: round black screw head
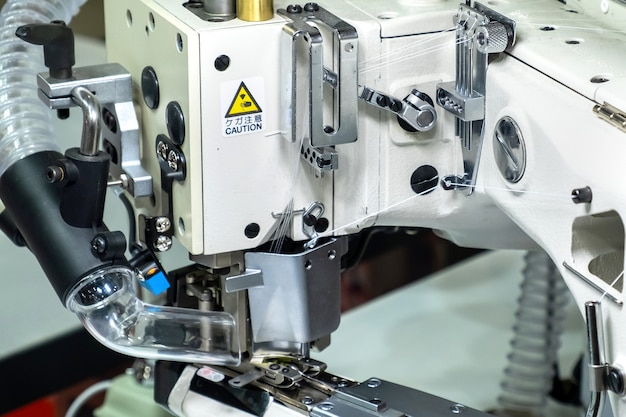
222, 62
424, 180
99, 245
311, 7
294, 9
252, 230
615, 381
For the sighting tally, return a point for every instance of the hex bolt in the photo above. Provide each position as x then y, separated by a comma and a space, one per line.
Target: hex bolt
342, 384
294, 9
162, 224
55, 174
582, 195
163, 243
274, 367
173, 159
307, 400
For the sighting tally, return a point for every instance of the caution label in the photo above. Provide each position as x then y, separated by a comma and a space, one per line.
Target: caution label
242, 106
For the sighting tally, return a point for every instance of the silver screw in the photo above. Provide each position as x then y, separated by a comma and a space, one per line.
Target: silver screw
349, 47
307, 400
172, 160
162, 224
374, 383
162, 150
342, 384
457, 409
163, 243
326, 406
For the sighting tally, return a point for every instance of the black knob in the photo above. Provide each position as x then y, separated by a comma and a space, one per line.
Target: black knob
58, 45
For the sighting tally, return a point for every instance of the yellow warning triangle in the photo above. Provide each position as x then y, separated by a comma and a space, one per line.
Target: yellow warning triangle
243, 103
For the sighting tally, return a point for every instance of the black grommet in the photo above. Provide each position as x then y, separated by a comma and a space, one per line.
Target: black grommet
222, 62
175, 121
252, 230
150, 87
582, 195
424, 180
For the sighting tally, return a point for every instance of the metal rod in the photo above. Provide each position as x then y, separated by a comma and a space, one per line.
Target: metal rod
92, 124
595, 349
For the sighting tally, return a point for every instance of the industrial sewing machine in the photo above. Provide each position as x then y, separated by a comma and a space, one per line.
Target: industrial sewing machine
260, 136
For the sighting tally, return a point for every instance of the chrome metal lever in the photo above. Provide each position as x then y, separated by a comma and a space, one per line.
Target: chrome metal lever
304, 70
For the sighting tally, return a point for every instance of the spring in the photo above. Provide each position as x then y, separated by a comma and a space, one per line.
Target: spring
538, 326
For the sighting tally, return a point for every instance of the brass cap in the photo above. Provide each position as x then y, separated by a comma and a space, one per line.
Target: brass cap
255, 10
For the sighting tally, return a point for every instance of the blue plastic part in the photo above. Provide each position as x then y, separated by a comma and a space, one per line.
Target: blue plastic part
156, 284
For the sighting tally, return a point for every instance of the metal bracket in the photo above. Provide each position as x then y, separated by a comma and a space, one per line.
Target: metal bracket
416, 110
304, 70
112, 85
480, 31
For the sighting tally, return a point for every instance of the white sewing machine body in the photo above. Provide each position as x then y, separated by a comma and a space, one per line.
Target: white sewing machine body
563, 64
253, 132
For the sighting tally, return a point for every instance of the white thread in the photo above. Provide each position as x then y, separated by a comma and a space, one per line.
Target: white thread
369, 216
510, 190
621, 274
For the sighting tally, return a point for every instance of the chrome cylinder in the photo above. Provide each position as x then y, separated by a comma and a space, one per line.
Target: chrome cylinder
220, 9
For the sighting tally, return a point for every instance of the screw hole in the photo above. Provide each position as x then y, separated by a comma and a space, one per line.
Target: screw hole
179, 42
573, 41
181, 225
308, 265
548, 28
332, 254
129, 18
151, 20
599, 79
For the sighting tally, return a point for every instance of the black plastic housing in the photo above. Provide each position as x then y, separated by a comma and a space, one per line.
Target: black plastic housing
64, 251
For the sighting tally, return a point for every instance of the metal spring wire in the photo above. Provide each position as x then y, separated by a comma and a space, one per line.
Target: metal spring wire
538, 326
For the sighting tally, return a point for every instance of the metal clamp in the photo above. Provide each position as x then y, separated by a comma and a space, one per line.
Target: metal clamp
112, 85
304, 71
480, 31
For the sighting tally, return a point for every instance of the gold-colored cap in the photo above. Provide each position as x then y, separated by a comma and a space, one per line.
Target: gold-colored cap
255, 10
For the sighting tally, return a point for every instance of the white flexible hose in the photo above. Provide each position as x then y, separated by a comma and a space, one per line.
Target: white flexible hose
25, 122
86, 395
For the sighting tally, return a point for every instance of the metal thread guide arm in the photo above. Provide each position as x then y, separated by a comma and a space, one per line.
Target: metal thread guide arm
603, 376
480, 31
302, 46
